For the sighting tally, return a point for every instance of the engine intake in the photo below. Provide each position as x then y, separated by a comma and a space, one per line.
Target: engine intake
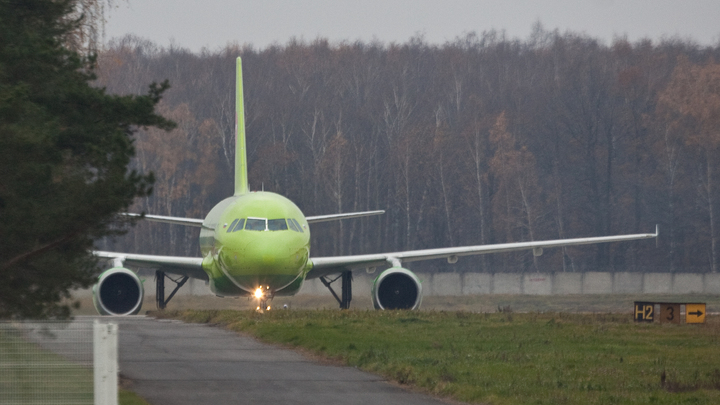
397, 288
118, 291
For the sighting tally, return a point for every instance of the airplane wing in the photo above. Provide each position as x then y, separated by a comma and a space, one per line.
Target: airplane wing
333, 217
183, 266
169, 220
322, 266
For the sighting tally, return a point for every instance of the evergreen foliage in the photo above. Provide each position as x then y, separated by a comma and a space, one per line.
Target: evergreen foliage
65, 147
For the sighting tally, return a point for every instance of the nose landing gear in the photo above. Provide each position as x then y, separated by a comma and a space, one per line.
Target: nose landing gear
263, 296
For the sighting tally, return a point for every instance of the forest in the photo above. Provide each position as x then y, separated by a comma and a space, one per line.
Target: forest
481, 140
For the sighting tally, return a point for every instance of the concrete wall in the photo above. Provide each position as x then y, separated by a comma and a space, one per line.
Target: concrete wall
597, 283
505, 283
443, 284
658, 283
567, 283
476, 283
628, 283
688, 283
712, 282
537, 284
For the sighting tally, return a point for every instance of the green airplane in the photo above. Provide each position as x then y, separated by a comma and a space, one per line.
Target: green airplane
257, 244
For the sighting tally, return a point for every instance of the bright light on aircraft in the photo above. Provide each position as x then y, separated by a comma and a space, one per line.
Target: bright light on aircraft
259, 292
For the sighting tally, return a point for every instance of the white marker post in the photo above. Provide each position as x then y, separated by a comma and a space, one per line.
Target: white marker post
105, 362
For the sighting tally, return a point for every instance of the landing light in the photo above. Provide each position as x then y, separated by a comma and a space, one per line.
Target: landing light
259, 292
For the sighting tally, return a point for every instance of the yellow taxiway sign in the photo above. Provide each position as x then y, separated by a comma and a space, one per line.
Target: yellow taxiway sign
695, 313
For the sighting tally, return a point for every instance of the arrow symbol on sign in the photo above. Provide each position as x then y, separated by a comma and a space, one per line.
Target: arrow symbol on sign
696, 313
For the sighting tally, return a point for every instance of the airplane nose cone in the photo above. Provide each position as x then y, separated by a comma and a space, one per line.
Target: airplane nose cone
268, 257
263, 262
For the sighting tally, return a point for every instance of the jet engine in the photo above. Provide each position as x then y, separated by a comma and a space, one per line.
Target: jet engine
397, 288
118, 291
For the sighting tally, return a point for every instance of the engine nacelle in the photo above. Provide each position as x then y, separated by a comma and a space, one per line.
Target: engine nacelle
118, 291
397, 288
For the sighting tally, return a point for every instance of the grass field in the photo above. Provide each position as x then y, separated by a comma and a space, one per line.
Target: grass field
126, 397
504, 357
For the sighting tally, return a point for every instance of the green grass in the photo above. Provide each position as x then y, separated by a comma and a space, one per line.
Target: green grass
505, 358
130, 398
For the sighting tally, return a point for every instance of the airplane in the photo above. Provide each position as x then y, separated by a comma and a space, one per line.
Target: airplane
257, 244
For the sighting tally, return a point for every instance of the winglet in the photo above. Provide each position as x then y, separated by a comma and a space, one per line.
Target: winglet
241, 174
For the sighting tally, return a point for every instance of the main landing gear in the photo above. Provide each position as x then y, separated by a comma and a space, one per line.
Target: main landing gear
160, 288
346, 288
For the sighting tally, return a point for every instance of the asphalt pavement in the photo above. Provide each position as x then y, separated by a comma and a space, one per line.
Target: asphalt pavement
170, 362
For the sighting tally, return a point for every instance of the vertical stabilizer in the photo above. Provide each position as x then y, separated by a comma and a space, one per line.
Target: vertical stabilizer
241, 178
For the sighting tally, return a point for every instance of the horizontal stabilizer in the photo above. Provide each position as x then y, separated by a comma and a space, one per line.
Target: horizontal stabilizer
335, 217
169, 220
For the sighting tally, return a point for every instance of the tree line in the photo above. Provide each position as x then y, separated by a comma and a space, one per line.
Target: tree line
481, 140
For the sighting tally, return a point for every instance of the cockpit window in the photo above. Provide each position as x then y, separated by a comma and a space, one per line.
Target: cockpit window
292, 225
277, 225
236, 225
239, 225
297, 225
262, 224
256, 224
232, 225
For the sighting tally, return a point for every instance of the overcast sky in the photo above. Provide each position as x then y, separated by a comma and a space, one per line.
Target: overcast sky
214, 23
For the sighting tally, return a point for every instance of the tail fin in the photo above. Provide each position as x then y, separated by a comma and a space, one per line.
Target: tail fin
241, 178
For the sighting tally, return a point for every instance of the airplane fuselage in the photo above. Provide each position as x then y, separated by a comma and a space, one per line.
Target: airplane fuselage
255, 240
